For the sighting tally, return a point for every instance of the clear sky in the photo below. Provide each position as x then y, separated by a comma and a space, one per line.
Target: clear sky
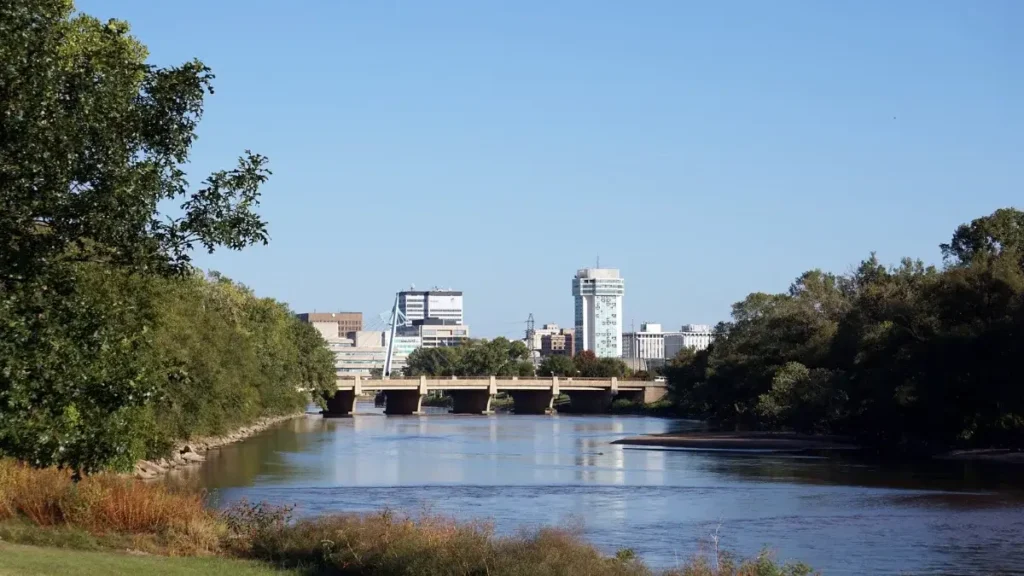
706, 149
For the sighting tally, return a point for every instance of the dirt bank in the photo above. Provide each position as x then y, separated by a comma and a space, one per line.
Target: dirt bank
741, 441
192, 452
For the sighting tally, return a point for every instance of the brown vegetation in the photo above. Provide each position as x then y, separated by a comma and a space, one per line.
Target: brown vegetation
48, 507
176, 522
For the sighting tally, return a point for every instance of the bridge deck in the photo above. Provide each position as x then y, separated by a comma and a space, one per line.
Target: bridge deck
497, 384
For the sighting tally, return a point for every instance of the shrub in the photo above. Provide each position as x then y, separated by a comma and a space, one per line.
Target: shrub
104, 503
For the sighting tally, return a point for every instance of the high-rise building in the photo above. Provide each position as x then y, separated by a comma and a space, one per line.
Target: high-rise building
648, 343
598, 293
694, 336
435, 303
334, 324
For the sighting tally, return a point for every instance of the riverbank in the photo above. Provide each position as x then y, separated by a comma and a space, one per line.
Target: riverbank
991, 455
110, 513
193, 452
790, 442
701, 440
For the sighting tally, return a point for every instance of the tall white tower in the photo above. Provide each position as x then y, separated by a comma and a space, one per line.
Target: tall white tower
598, 293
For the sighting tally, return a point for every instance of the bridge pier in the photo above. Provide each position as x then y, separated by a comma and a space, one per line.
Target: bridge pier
342, 403
532, 401
403, 402
590, 401
471, 401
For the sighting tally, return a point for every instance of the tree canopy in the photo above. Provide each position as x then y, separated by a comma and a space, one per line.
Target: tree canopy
93, 140
904, 356
498, 357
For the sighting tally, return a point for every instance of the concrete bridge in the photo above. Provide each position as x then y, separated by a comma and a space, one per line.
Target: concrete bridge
473, 395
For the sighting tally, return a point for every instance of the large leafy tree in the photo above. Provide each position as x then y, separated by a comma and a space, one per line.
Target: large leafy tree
557, 366
904, 356
987, 237
92, 141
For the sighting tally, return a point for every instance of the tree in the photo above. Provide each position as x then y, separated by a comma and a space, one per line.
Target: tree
904, 357
497, 357
588, 365
93, 139
445, 361
987, 237
557, 366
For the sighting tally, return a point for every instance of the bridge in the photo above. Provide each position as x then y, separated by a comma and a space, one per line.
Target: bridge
473, 395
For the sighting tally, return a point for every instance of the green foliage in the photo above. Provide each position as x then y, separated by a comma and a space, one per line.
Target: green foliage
223, 357
907, 356
987, 237
590, 366
557, 366
93, 140
498, 357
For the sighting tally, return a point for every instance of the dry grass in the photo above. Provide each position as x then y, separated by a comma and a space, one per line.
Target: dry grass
386, 544
46, 507
105, 504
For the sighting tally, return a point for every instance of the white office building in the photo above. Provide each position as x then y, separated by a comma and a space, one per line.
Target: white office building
365, 350
648, 343
598, 293
693, 336
437, 304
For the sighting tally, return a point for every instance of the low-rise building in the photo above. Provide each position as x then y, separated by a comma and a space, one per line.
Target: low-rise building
560, 343
693, 336
648, 343
362, 352
334, 324
533, 337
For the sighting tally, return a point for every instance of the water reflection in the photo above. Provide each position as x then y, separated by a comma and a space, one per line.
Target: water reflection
841, 515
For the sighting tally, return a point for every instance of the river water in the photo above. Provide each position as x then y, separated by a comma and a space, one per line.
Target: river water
842, 516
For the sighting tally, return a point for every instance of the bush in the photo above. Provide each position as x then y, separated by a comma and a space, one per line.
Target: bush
104, 503
660, 408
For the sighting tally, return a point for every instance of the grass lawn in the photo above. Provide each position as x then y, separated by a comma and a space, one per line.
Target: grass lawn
19, 560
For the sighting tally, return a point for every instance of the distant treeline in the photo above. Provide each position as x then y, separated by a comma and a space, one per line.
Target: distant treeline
907, 357
504, 358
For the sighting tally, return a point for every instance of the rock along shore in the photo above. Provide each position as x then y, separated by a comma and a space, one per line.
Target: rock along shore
192, 452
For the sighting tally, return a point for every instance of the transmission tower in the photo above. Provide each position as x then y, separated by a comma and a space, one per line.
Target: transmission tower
531, 333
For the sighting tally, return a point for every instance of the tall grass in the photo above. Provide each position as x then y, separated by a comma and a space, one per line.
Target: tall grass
116, 510
104, 503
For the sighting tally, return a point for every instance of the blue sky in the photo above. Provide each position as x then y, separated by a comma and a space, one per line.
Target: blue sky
706, 149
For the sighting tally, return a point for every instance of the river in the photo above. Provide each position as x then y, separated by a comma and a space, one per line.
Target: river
842, 516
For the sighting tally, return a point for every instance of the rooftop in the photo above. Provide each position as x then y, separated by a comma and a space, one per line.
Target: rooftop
598, 273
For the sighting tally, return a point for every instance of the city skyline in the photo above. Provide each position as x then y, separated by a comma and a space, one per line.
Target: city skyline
708, 155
